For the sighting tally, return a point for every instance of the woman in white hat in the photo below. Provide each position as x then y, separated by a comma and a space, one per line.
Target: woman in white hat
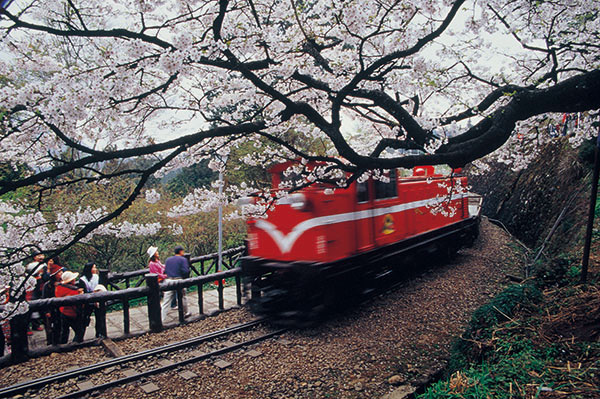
154, 264
69, 315
90, 282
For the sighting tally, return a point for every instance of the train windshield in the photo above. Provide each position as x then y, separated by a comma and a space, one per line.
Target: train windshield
387, 189
362, 191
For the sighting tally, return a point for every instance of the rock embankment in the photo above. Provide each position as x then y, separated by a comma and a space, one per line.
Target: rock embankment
530, 201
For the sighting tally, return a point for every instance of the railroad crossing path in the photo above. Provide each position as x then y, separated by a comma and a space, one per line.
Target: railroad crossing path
138, 316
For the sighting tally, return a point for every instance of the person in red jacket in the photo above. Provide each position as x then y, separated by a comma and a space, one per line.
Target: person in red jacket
69, 315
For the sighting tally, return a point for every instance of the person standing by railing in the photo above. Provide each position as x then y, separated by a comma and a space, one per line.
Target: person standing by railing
69, 315
155, 265
176, 268
90, 282
89, 279
36, 270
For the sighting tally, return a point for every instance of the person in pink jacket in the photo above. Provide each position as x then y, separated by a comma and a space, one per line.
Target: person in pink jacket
154, 264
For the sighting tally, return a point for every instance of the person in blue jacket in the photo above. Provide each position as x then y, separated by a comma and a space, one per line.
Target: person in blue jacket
176, 268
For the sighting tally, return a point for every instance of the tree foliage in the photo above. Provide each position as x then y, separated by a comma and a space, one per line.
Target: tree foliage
188, 178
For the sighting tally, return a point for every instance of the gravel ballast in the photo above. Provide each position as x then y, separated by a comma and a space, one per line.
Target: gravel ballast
397, 339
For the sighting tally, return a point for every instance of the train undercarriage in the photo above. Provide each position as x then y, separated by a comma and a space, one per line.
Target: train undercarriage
303, 293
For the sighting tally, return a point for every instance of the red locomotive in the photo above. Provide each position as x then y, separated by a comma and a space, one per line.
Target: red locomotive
320, 246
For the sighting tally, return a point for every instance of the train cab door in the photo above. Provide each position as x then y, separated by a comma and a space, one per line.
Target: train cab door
363, 216
388, 221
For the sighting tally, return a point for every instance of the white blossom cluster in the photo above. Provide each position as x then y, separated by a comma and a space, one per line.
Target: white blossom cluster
86, 96
200, 200
22, 229
443, 204
79, 97
126, 229
15, 277
529, 136
152, 196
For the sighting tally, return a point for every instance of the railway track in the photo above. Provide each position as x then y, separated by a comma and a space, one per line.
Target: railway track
179, 354
171, 356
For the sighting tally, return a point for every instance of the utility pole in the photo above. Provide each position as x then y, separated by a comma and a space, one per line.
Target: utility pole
221, 184
591, 213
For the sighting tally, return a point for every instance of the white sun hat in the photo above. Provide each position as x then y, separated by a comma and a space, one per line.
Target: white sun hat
67, 277
151, 251
100, 288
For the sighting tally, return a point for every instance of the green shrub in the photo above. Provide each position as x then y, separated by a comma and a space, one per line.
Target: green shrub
472, 345
586, 152
494, 378
501, 307
558, 272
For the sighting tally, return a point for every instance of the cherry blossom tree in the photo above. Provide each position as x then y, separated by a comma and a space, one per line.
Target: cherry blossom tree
88, 85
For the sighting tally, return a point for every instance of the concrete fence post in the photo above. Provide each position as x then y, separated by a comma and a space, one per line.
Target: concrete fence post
19, 344
154, 317
103, 277
189, 259
101, 319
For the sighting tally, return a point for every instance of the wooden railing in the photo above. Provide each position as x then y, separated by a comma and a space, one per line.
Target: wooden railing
199, 266
151, 292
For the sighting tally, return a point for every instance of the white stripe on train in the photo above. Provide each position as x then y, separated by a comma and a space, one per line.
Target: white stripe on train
286, 242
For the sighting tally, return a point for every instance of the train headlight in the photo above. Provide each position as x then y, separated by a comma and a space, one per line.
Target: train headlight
297, 201
474, 202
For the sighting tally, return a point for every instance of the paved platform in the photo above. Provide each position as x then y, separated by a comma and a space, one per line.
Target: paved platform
138, 316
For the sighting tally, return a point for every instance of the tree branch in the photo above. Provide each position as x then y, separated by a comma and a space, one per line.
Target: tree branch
187, 141
116, 33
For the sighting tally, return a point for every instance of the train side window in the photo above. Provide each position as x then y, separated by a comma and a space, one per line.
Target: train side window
387, 189
362, 191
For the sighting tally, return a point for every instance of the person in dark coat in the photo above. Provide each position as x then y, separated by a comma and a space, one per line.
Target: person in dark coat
176, 267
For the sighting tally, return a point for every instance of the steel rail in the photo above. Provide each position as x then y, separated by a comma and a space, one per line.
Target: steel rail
158, 370
41, 382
